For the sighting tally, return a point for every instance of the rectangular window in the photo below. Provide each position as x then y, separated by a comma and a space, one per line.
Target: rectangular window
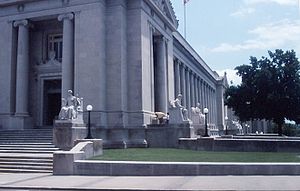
55, 44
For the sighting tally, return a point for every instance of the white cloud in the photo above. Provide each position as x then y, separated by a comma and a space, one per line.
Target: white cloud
280, 2
243, 12
269, 36
231, 76
248, 6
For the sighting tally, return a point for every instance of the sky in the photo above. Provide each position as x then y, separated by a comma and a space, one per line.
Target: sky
225, 33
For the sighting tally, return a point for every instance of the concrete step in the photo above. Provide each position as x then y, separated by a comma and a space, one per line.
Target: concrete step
25, 163
23, 137
25, 151
29, 148
24, 141
27, 145
21, 166
26, 160
5, 170
32, 143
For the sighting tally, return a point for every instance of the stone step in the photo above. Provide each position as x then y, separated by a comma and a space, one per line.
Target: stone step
33, 167
28, 148
26, 145
29, 156
25, 163
24, 141
26, 133
25, 151
13, 170
27, 160
32, 143
24, 137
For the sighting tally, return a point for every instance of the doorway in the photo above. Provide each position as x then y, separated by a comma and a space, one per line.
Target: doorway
51, 101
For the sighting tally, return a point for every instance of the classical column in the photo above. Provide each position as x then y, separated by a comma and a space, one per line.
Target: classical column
177, 77
215, 107
182, 84
196, 89
205, 95
68, 53
192, 89
161, 75
22, 68
200, 93
187, 87
210, 103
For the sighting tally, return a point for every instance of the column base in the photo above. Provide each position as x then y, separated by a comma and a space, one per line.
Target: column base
20, 122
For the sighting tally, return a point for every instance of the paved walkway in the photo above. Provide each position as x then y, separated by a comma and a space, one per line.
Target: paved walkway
22, 182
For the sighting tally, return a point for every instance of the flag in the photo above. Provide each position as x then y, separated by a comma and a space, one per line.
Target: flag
185, 1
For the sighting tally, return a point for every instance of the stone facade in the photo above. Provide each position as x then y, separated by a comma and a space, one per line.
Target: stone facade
125, 57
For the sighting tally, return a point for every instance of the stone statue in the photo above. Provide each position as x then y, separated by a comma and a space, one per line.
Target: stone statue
199, 116
64, 111
198, 119
72, 107
236, 126
177, 113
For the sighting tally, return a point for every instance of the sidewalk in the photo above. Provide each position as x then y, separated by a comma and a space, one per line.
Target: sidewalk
49, 182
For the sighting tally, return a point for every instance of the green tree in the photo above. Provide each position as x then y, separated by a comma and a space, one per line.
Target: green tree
270, 89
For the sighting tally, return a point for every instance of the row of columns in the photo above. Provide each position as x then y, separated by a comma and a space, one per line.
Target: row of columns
22, 71
194, 90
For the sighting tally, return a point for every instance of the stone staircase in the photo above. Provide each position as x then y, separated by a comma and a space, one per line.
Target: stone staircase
26, 151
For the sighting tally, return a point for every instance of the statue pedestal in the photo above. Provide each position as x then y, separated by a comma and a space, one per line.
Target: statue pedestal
65, 132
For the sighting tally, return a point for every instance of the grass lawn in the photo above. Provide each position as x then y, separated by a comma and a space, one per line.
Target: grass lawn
180, 155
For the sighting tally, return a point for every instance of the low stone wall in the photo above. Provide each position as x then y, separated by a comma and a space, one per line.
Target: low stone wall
154, 135
120, 168
63, 161
240, 145
167, 135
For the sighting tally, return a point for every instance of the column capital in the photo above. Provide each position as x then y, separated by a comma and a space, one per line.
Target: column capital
180, 63
23, 22
152, 27
160, 38
69, 16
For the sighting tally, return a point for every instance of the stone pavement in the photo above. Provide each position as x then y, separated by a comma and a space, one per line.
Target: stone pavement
22, 182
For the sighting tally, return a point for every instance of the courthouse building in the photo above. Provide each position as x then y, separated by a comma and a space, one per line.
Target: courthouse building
125, 57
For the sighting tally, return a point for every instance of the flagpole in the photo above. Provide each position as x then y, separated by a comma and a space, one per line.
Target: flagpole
184, 19
299, 7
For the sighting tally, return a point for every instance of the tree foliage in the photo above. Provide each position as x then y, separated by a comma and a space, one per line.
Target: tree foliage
270, 89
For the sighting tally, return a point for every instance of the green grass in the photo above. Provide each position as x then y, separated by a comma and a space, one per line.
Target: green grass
180, 155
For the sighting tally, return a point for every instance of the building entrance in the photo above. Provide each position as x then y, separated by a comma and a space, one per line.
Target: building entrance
51, 100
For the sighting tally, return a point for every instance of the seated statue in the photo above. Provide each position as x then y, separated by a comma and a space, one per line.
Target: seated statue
177, 113
198, 119
64, 111
72, 107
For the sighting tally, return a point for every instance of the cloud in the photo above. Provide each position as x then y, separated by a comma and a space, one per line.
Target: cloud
231, 76
280, 2
269, 36
243, 12
248, 6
